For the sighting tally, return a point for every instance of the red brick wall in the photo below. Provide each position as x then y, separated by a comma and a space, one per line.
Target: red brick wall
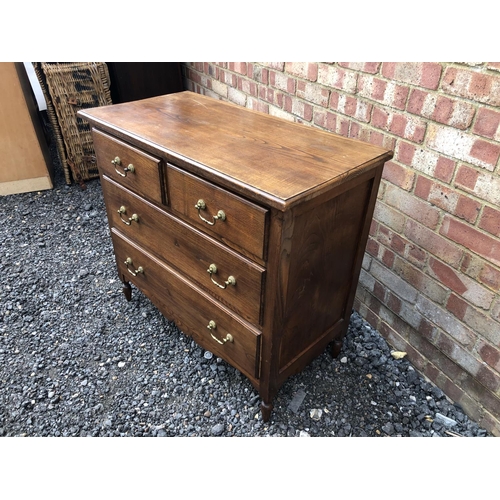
431, 274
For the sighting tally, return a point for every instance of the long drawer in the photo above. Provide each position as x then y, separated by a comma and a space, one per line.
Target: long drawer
230, 278
130, 166
226, 216
193, 311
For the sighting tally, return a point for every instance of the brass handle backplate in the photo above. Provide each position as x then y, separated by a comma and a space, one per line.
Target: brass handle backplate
212, 326
122, 211
212, 269
117, 163
201, 205
139, 270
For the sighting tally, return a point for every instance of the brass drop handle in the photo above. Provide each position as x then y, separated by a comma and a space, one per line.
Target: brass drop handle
122, 211
212, 269
201, 205
117, 163
139, 270
212, 326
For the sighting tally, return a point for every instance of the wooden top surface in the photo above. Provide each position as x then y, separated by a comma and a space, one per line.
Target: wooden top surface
277, 161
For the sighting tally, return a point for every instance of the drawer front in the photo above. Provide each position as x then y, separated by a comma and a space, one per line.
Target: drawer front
188, 250
244, 224
144, 177
178, 299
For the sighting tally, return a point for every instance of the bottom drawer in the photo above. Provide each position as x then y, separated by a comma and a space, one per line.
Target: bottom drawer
192, 310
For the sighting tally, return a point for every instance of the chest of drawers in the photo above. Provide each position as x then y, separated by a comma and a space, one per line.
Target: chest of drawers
246, 230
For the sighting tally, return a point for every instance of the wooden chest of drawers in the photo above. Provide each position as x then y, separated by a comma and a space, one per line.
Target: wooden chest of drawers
246, 230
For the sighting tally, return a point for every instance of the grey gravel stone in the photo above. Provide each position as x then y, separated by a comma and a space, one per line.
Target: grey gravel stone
217, 429
444, 420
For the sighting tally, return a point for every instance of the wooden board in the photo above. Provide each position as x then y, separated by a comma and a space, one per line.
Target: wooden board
26, 164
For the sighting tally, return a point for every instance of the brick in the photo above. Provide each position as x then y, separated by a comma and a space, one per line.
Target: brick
372, 247
237, 96
398, 286
410, 315
490, 277
461, 284
490, 221
405, 152
387, 257
257, 105
445, 320
238, 67
412, 206
467, 209
398, 175
447, 199
258, 73
302, 109
350, 106
402, 125
248, 86
366, 67
275, 111
472, 239
416, 255
444, 169
385, 92
367, 260
426, 161
306, 70
228, 78
414, 73
486, 152
282, 82
442, 109
472, 85
332, 122
391, 240
489, 354
366, 280
433, 243
463, 146
487, 124
493, 65
457, 306
338, 78
390, 217
481, 184
272, 96
481, 271
421, 281
220, 88
459, 355
313, 93
211, 70
278, 66
371, 135
495, 314
379, 293
423, 187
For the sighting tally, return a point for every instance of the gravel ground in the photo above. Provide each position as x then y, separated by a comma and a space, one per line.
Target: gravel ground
76, 359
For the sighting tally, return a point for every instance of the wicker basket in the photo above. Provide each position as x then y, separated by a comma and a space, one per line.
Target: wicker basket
68, 87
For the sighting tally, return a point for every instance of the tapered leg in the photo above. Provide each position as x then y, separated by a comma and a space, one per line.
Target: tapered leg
127, 290
336, 347
266, 410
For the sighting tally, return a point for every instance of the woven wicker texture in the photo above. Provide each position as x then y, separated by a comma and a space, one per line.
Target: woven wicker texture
69, 87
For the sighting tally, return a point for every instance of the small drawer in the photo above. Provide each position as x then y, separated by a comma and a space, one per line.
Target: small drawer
192, 310
230, 218
129, 166
235, 281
